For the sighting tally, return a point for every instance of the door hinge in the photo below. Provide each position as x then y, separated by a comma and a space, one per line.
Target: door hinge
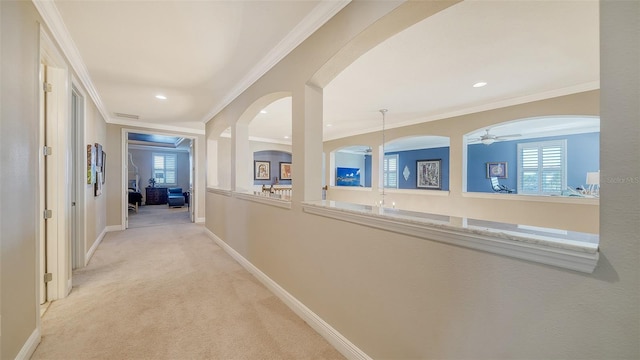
48, 214
46, 87
48, 277
46, 150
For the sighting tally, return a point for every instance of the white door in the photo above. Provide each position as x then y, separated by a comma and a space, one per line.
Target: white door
192, 173
42, 192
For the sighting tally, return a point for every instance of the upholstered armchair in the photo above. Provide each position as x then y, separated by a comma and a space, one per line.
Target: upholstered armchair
175, 198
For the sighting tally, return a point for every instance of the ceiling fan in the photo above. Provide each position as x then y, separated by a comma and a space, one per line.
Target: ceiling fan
489, 139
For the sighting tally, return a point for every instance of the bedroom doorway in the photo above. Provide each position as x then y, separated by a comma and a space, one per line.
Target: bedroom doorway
159, 178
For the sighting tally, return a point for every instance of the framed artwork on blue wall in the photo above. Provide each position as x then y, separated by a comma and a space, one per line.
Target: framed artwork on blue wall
285, 171
261, 170
347, 176
428, 174
497, 169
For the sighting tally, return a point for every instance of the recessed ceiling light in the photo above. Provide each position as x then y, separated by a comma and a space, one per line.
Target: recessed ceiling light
286, 137
479, 84
161, 97
263, 111
329, 125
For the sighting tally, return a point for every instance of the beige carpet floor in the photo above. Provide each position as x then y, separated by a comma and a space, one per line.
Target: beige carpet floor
169, 292
154, 215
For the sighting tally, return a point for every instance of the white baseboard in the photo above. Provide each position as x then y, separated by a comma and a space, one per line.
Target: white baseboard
342, 344
99, 240
30, 346
111, 228
200, 220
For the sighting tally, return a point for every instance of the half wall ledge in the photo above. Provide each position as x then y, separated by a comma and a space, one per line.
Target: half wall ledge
568, 250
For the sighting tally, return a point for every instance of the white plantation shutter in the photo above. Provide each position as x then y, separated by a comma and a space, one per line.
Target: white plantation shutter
390, 171
164, 168
542, 167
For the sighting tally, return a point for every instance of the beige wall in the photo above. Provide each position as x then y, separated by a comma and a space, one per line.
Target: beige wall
19, 169
96, 206
396, 296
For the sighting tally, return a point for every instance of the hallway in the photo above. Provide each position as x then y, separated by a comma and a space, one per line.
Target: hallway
169, 292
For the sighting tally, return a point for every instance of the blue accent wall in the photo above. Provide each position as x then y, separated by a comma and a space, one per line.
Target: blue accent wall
583, 155
275, 158
367, 170
409, 158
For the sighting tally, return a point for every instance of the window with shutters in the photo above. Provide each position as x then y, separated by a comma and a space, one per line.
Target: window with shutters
390, 171
542, 167
164, 168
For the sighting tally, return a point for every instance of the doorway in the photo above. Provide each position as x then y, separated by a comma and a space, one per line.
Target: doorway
157, 162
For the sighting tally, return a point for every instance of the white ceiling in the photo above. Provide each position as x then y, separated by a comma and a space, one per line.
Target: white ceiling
198, 54
524, 50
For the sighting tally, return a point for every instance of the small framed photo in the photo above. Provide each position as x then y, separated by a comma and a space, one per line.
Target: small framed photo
285, 171
261, 170
428, 174
497, 170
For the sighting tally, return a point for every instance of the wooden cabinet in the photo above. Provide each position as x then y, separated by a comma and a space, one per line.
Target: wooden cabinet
156, 196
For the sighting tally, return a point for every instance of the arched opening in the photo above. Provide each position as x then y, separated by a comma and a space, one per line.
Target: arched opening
551, 155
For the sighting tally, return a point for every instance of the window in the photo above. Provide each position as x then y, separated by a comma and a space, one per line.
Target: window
164, 168
542, 167
390, 171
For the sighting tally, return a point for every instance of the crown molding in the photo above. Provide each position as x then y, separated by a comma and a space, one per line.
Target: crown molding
570, 90
154, 126
52, 19
312, 22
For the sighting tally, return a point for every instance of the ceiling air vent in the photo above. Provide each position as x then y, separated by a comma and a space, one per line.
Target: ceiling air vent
128, 116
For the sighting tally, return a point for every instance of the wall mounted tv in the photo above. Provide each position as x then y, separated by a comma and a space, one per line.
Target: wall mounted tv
347, 176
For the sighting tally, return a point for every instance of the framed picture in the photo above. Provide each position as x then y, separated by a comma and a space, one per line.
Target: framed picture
497, 170
104, 166
261, 170
428, 174
91, 164
347, 176
98, 184
285, 171
98, 156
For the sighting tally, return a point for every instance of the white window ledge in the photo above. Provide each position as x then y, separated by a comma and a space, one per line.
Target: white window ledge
268, 200
418, 192
224, 192
535, 198
566, 251
351, 188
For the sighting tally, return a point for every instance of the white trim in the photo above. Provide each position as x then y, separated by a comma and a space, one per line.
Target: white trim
581, 257
285, 204
30, 346
534, 198
594, 85
94, 247
53, 20
341, 343
112, 228
157, 148
152, 126
200, 220
324, 11
414, 192
352, 188
223, 192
